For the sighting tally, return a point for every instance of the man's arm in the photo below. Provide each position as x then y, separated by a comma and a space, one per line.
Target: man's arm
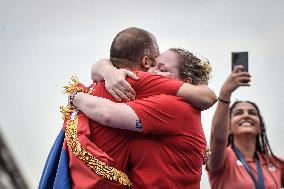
201, 97
107, 112
165, 114
153, 113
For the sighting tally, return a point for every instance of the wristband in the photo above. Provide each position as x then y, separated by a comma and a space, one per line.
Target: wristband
72, 97
224, 101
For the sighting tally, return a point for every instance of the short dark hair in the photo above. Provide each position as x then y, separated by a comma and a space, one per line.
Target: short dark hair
189, 65
131, 45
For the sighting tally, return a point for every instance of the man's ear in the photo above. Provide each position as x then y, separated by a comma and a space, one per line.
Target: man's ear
146, 62
188, 80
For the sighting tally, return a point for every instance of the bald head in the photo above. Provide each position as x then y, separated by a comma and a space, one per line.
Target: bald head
131, 45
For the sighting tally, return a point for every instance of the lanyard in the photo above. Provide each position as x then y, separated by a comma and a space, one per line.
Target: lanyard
260, 183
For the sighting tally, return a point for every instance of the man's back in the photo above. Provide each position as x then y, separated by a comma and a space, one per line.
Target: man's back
162, 160
115, 142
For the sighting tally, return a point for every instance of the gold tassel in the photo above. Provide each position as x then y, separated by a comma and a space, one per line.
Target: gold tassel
73, 86
71, 137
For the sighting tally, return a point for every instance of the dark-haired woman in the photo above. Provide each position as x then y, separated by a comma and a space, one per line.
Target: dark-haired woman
241, 157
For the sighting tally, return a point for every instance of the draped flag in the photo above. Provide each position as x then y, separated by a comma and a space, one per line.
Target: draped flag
56, 173
72, 147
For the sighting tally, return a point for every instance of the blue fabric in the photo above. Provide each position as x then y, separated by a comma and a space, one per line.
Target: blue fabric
62, 179
56, 173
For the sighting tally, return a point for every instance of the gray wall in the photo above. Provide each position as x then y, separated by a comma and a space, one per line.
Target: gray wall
43, 43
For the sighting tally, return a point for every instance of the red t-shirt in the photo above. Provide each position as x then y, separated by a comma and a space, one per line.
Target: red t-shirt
159, 160
233, 174
113, 142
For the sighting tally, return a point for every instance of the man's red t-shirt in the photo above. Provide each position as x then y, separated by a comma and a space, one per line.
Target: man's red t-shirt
113, 142
170, 155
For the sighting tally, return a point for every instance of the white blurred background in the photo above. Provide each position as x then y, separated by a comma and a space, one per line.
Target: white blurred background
43, 43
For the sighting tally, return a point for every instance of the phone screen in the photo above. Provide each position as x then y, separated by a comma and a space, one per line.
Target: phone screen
240, 58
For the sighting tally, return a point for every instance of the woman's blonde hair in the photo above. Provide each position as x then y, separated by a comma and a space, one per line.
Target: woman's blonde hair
191, 65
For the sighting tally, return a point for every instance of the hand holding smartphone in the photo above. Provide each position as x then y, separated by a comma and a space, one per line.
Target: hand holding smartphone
240, 58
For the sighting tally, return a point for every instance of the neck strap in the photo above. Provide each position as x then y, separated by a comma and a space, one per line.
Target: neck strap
258, 184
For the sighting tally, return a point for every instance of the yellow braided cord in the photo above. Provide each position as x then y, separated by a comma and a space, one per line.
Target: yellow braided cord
73, 142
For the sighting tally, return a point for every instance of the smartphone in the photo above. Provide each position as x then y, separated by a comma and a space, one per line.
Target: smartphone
240, 58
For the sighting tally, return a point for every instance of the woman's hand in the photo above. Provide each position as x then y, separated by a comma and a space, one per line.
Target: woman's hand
115, 82
117, 85
236, 79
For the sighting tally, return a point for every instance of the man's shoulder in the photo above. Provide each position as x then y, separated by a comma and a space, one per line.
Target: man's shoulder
142, 74
174, 100
143, 77
145, 80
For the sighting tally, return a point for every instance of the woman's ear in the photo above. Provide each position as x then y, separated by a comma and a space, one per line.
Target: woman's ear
188, 80
261, 130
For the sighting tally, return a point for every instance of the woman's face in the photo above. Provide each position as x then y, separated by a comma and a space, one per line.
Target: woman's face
166, 65
245, 120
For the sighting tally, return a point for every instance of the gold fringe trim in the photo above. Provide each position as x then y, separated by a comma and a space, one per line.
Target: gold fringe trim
66, 112
73, 86
73, 142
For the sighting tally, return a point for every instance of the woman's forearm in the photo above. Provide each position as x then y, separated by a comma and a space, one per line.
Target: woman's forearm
219, 135
102, 69
201, 97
